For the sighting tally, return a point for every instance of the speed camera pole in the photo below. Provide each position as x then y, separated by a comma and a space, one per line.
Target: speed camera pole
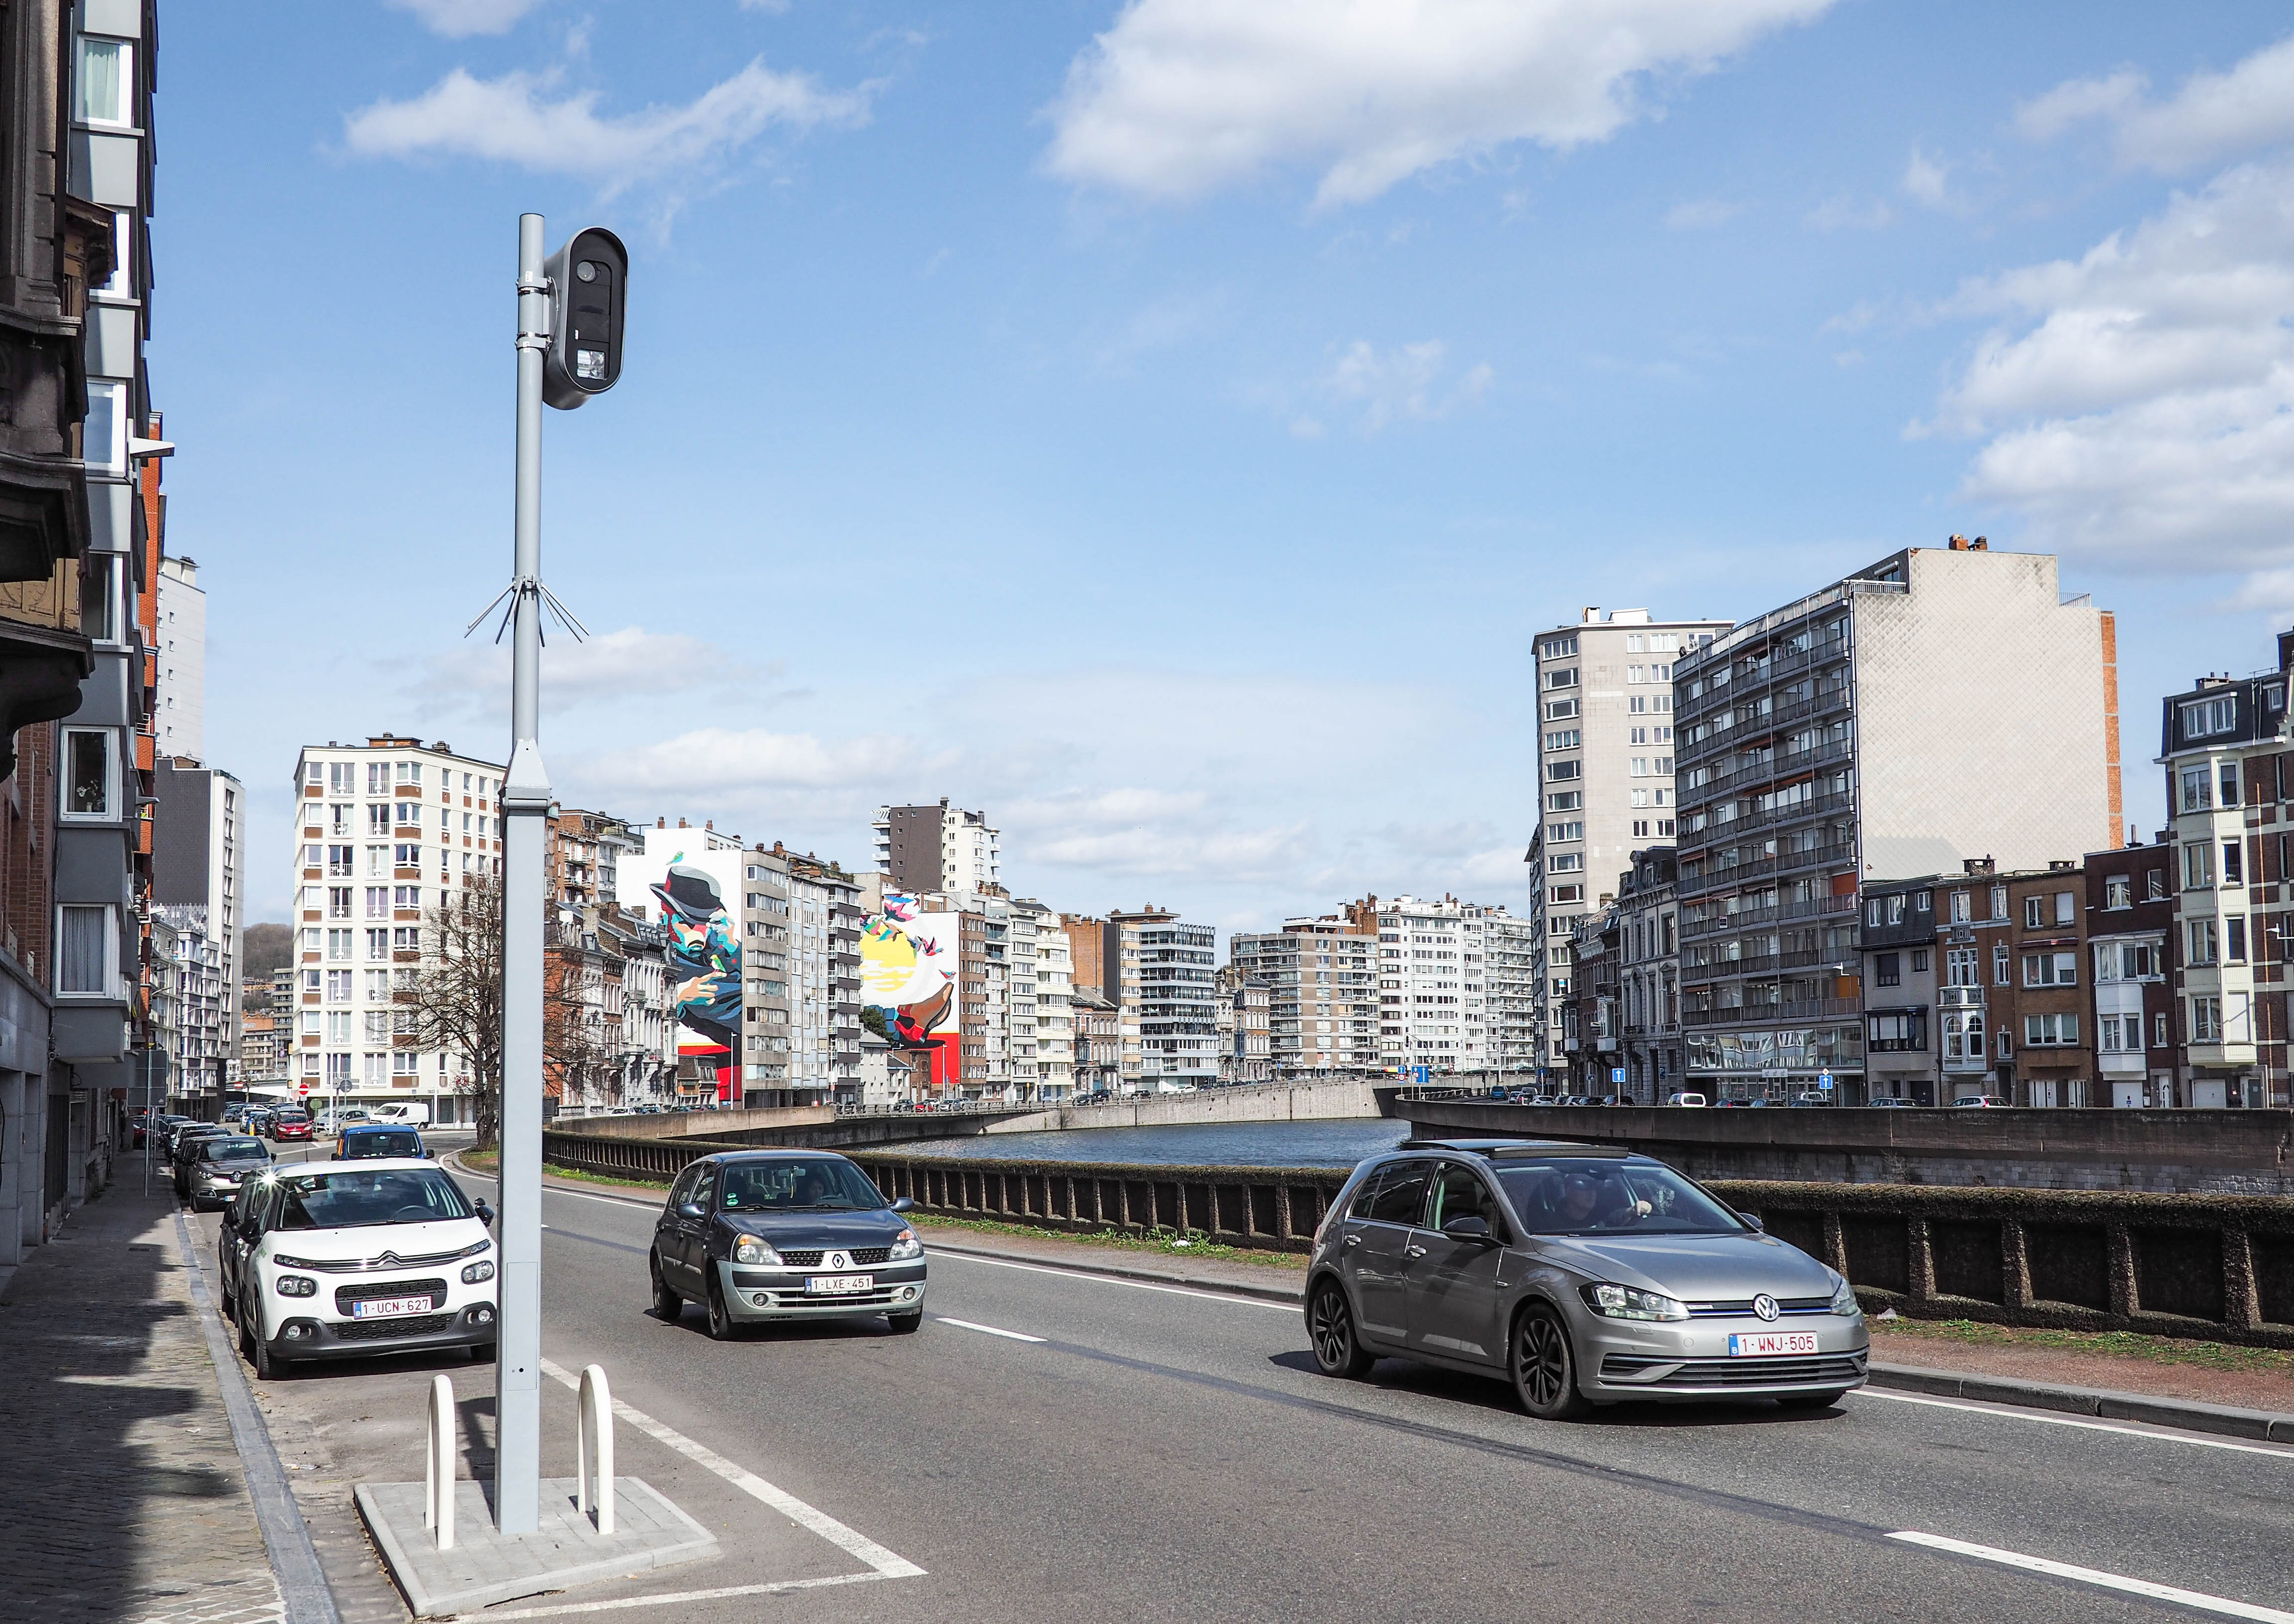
569, 347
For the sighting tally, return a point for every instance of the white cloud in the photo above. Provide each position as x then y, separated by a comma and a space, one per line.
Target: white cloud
2139, 401
1848, 214
1182, 97
611, 666
1404, 383
459, 19
1927, 180
2212, 117
1701, 215
517, 119
721, 764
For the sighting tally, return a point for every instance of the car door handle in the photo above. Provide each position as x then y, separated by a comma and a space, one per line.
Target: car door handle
1413, 1251
1354, 1241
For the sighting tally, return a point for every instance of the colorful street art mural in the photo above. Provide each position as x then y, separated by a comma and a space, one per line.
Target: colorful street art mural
690, 887
908, 974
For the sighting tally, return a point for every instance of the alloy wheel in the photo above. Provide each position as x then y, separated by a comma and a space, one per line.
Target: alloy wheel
1331, 1324
1544, 1372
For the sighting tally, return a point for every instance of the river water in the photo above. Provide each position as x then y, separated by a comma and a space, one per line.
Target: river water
1207, 1144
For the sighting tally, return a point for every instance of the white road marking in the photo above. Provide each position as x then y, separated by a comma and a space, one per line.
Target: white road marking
1114, 1280
966, 1325
2012, 1413
579, 1195
783, 1587
851, 1543
2198, 1599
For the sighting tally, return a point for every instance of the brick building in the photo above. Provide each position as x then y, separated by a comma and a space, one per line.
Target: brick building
2130, 909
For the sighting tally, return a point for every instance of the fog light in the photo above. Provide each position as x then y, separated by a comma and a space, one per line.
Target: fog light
763, 1299
296, 1333
482, 1315
906, 1292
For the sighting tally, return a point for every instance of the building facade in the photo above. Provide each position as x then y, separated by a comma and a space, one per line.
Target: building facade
1825, 746
1605, 755
1648, 955
198, 877
391, 829
1244, 1017
181, 646
936, 848
1434, 1009
1320, 978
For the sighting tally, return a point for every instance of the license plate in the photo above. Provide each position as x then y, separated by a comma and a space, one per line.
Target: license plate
838, 1285
377, 1308
1756, 1344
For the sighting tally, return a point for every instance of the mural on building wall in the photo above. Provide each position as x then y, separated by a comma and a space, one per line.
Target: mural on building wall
704, 959
908, 976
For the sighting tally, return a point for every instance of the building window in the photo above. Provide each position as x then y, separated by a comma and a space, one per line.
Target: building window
86, 949
2198, 871
2230, 783
2051, 970
1887, 969
100, 615
2118, 891
2234, 938
107, 80
2035, 913
2206, 1021
2201, 936
104, 432
2198, 790
339, 946
1999, 966
1919, 961
2233, 867
91, 786
338, 902
339, 987
1963, 908
1959, 966
2066, 907
2050, 1031
2203, 719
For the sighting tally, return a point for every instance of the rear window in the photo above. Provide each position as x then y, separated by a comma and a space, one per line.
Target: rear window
385, 1141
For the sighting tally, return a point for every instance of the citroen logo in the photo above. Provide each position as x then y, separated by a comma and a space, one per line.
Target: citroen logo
1765, 1306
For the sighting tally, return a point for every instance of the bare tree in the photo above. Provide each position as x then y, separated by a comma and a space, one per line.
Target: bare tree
575, 1050
453, 1000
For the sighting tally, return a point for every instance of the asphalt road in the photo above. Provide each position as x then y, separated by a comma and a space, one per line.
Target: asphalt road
1080, 1446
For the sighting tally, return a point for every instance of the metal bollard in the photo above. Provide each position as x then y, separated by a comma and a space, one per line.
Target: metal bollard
439, 1473
593, 1447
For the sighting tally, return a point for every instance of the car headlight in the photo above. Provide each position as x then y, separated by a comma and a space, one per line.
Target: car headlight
749, 1249
1631, 1303
472, 1273
906, 1246
297, 1285
1843, 1300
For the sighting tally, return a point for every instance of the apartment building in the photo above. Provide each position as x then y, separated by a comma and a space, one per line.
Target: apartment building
1605, 755
1434, 1005
181, 646
940, 848
983, 997
1098, 1028
1053, 1019
1648, 958
1321, 979
825, 918
1855, 736
2130, 909
260, 1055
1592, 1031
198, 877
390, 829
1244, 1017
1910, 1015
2223, 745
1162, 970
1514, 992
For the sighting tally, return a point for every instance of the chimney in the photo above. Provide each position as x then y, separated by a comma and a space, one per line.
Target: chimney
682, 823
661, 823
1979, 866
709, 824
1979, 545
1957, 544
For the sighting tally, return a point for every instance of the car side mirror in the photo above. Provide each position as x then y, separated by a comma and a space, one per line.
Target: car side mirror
1468, 1227
904, 1203
691, 1209
1754, 1220
485, 1212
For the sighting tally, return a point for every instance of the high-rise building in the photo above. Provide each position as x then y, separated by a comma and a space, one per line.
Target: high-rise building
936, 848
199, 875
1513, 991
824, 917
1321, 998
1941, 705
1605, 754
182, 630
1165, 969
390, 829
1432, 997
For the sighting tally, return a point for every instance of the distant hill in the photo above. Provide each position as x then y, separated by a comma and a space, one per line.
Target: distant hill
268, 947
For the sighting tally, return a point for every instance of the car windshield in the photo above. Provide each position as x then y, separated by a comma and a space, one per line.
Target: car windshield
348, 1201
290, 1117
235, 1150
831, 1183
1578, 1196
387, 1141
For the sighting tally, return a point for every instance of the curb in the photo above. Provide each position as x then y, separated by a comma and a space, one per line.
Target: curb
1121, 1271
2104, 1403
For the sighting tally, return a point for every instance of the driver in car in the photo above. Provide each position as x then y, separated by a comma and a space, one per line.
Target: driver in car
1591, 1203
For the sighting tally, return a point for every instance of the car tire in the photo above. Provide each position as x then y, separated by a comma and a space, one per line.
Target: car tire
905, 1324
1810, 1401
722, 1327
666, 1303
1545, 1366
229, 1298
268, 1366
1330, 1328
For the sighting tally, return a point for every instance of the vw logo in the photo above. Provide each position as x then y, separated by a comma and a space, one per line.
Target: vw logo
1765, 1306
835, 1259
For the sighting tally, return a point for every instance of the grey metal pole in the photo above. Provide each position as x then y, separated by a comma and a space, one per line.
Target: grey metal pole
525, 808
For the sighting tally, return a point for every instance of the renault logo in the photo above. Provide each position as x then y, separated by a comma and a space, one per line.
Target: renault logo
1765, 1306
835, 1259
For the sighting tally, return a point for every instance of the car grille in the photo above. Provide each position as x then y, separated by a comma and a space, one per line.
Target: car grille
376, 1330
1842, 1367
345, 1295
861, 1256
884, 1296
1742, 1307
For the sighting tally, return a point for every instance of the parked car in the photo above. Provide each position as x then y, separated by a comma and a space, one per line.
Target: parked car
1544, 1099
160, 1126
332, 1122
1684, 1098
1811, 1097
1889, 1103
414, 1114
258, 1119
363, 1140
325, 1261
765, 1235
289, 1124
218, 1162
1983, 1102
187, 1141
1583, 1274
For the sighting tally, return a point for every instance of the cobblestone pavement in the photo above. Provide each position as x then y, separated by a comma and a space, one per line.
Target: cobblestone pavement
126, 1503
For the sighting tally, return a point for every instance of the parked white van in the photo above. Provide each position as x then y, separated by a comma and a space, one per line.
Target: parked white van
401, 1113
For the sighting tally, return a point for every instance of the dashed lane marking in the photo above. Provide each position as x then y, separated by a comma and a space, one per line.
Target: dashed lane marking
2198, 1599
2012, 1413
987, 1330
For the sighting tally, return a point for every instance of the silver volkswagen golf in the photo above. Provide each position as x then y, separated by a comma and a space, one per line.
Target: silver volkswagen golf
1586, 1275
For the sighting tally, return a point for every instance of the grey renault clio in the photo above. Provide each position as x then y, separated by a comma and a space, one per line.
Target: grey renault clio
763, 1235
1583, 1274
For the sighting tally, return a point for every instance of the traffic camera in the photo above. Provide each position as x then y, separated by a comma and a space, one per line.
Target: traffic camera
589, 281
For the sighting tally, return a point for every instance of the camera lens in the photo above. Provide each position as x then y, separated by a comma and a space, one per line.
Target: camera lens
587, 271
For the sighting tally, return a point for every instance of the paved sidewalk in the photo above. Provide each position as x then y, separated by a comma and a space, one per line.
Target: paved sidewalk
126, 1503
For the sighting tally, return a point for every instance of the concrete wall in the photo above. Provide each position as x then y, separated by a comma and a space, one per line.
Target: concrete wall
1323, 1101
2244, 1153
696, 1124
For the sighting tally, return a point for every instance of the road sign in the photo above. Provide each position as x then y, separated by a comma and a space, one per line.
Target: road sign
1823, 1080
1616, 1073
1420, 1074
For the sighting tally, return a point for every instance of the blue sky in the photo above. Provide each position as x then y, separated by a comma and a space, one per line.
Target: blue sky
1166, 426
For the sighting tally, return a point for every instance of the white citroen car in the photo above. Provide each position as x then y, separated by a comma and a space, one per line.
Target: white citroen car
334, 1260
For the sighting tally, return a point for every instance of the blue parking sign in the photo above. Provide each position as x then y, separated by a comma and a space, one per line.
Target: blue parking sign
1823, 1080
